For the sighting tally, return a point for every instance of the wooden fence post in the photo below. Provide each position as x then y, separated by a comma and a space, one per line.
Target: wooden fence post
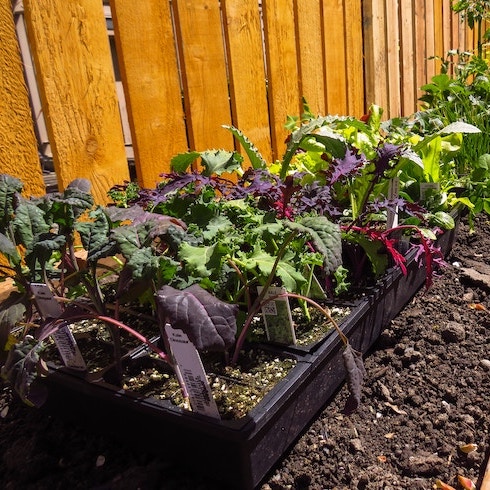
18, 147
70, 47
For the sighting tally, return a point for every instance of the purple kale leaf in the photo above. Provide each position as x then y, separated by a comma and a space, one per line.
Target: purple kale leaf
355, 374
209, 322
347, 166
385, 154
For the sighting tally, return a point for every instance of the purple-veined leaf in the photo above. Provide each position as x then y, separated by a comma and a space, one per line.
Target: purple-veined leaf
347, 166
355, 374
209, 322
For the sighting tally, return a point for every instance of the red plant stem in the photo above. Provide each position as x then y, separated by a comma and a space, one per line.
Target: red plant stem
107, 319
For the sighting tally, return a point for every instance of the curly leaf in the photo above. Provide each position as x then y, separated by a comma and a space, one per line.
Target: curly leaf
220, 161
334, 143
291, 278
159, 224
143, 264
95, 236
355, 374
8, 248
209, 322
132, 238
42, 248
9, 188
202, 261
251, 150
20, 370
69, 205
11, 312
326, 238
29, 222
181, 162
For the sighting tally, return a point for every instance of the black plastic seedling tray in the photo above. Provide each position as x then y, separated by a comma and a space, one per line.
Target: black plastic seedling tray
240, 452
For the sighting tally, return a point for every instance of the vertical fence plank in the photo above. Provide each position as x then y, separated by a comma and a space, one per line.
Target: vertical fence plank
282, 68
204, 75
311, 54
430, 43
461, 33
455, 39
335, 56
151, 84
393, 54
420, 46
375, 54
18, 147
446, 27
438, 33
248, 87
73, 62
354, 56
407, 57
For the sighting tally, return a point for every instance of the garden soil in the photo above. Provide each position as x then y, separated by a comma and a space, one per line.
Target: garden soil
425, 401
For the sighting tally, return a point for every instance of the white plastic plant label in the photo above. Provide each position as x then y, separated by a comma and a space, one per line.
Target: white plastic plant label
277, 316
393, 193
63, 337
428, 188
46, 304
191, 372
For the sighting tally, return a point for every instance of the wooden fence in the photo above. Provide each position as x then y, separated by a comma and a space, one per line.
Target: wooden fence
190, 66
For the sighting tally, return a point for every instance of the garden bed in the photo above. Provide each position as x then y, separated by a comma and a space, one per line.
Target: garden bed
412, 367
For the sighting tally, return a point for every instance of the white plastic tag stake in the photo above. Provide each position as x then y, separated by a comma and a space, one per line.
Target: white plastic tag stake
192, 372
426, 187
47, 305
393, 193
63, 337
278, 320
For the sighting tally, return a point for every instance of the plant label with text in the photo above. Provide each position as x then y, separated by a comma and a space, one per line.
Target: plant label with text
393, 193
191, 371
428, 188
63, 337
278, 320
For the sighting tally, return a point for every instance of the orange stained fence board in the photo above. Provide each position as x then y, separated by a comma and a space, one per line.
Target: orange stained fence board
354, 56
203, 65
311, 54
282, 65
430, 42
420, 45
248, 88
375, 54
18, 146
446, 27
393, 59
408, 54
75, 73
335, 56
148, 63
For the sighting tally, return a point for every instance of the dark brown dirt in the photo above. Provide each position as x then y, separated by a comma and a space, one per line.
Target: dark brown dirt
427, 393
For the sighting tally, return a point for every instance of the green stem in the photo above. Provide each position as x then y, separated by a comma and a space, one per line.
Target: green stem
257, 304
